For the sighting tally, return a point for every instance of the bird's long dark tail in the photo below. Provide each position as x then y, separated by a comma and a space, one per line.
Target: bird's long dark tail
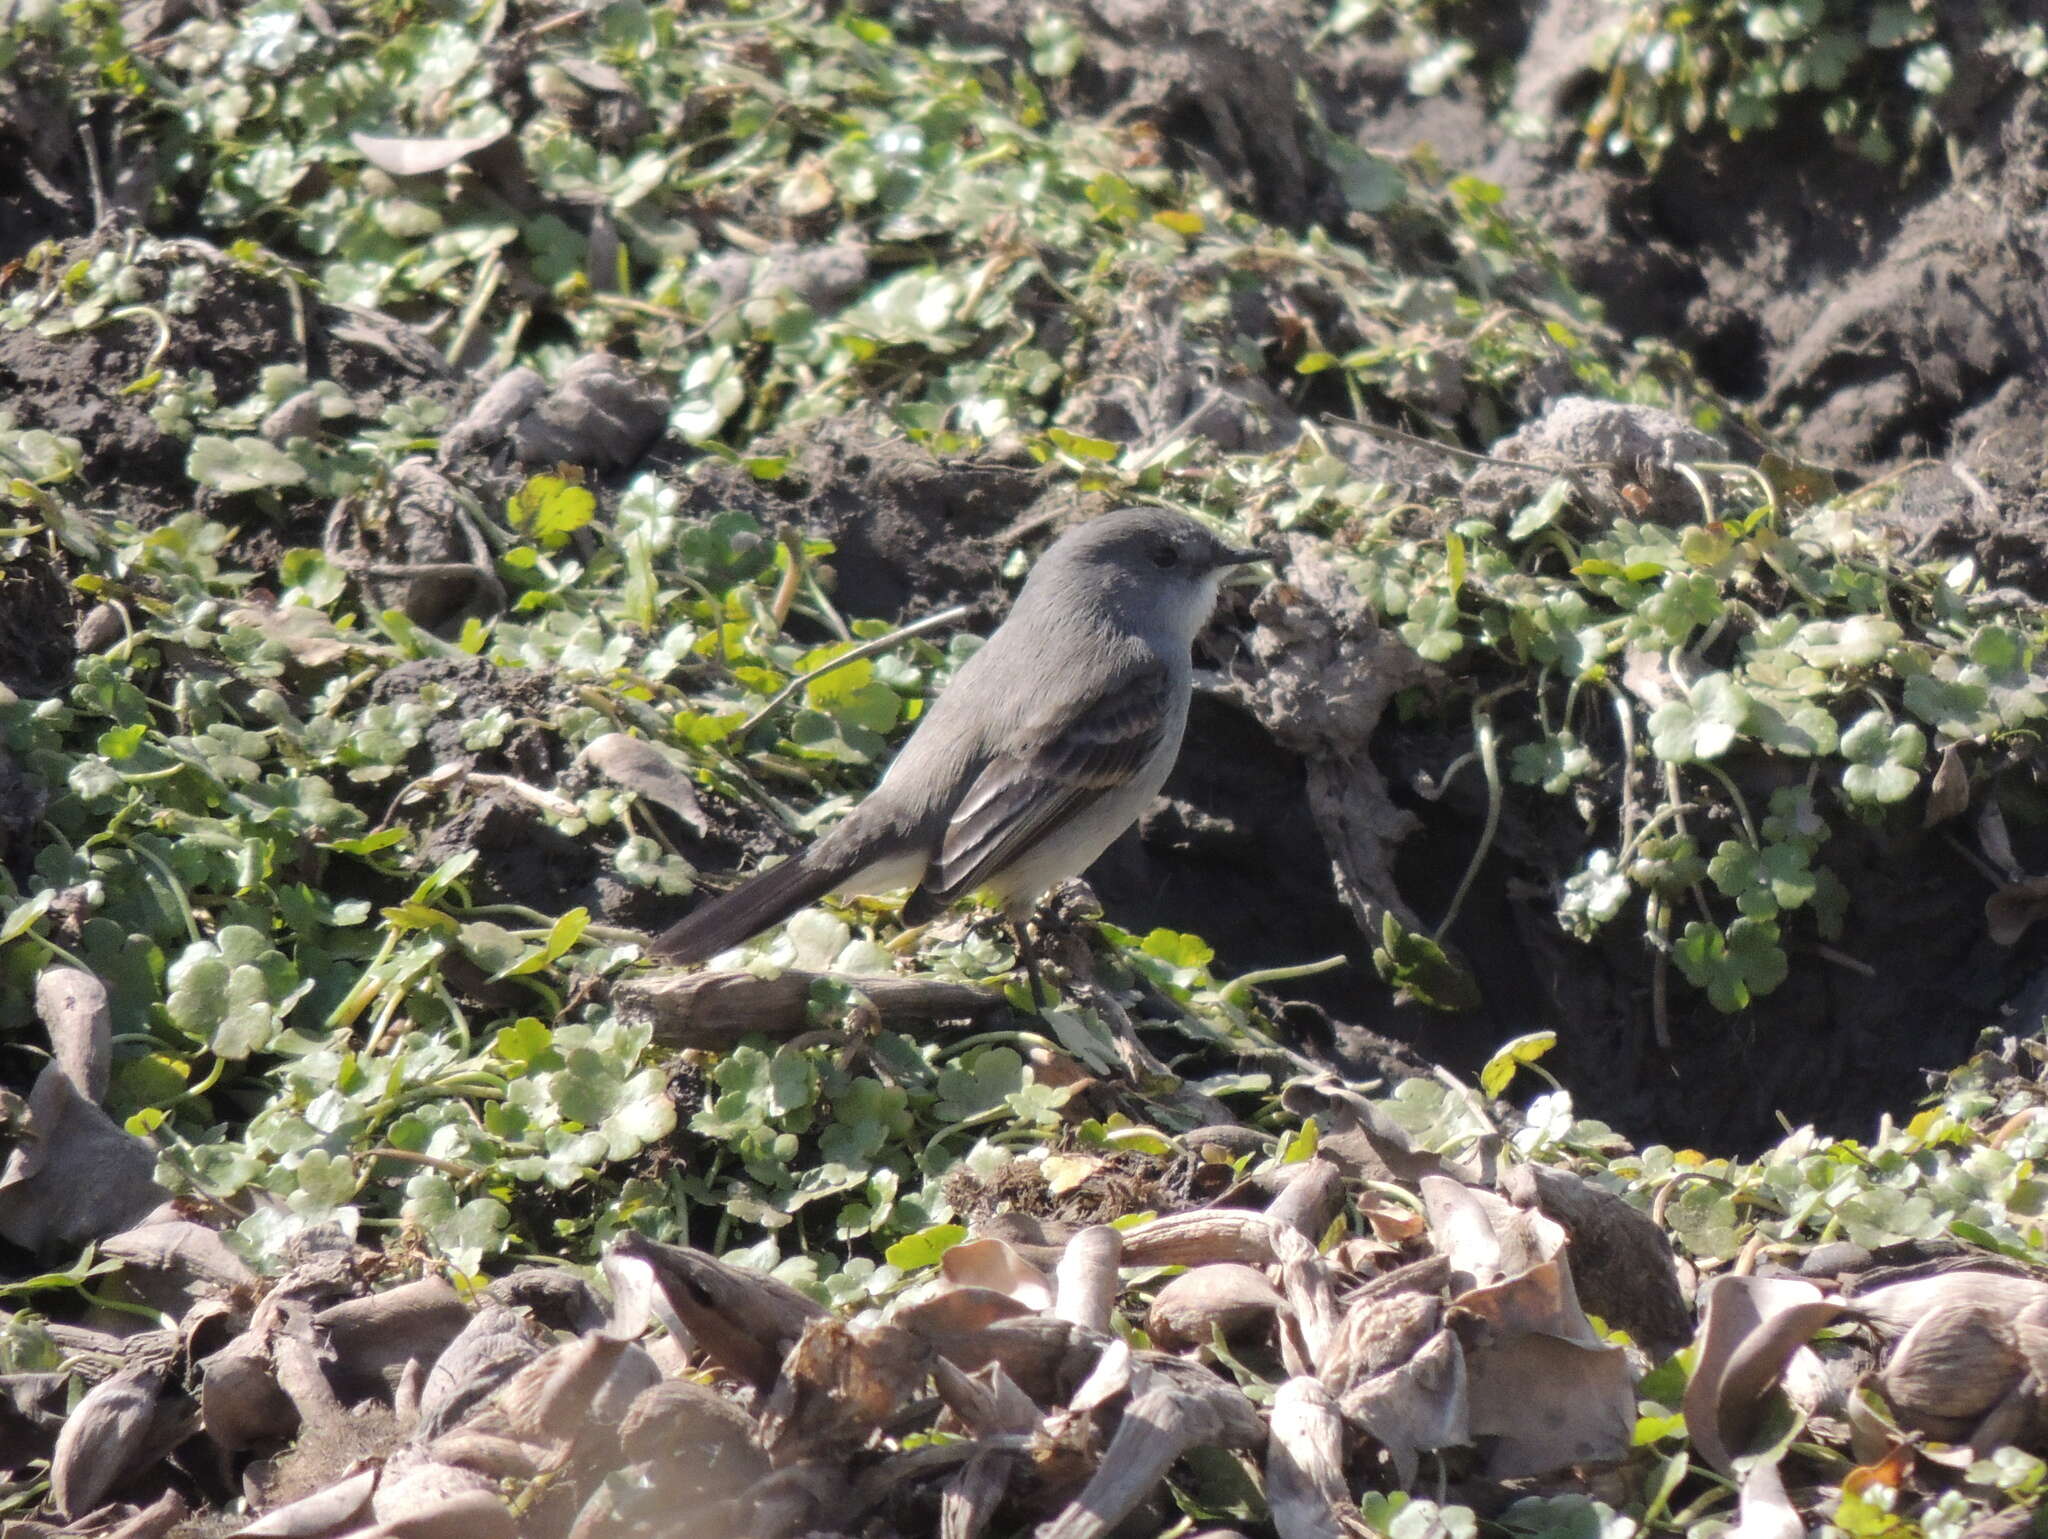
749, 908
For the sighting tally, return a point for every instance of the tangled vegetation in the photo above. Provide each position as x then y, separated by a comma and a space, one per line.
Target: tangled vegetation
1676, 72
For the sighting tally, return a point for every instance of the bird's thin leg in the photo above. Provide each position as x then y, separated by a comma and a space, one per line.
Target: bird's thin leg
1027, 953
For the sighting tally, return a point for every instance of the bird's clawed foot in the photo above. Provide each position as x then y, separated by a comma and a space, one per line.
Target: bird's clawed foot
1027, 953
1054, 925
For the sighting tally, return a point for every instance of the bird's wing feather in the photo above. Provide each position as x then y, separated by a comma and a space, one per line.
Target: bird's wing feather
1017, 798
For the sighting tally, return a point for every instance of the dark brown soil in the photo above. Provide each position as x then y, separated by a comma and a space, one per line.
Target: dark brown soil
242, 323
1867, 318
910, 532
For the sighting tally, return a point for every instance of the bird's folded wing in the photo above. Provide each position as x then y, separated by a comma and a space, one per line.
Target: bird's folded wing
1018, 799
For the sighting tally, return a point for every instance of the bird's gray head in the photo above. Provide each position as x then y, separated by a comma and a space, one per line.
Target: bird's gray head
1154, 568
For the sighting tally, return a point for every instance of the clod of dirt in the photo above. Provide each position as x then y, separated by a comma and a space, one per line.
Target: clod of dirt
1215, 80
912, 531
1872, 317
1326, 673
1994, 509
822, 277
1622, 455
1947, 313
36, 646
602, 414
1152, 378
415, 547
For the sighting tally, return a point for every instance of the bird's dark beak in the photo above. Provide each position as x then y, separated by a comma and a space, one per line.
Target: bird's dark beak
1242, 557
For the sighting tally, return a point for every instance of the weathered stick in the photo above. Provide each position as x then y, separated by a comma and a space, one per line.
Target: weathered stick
713, 1011
1086, 1279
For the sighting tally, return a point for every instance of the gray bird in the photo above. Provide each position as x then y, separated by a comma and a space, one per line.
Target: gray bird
1047, 744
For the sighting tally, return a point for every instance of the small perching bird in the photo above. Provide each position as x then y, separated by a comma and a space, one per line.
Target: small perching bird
1048, 743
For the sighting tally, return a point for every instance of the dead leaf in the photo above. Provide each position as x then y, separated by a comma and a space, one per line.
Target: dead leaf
1540, 1403
326, 1511
1305, 1484
1044, 1356
1066, 1172
1994, 839
1174, 1407
650, 772
1948, 795
74, 1175
700, 1440
1892, 1471
961, 1311
1749, 1329
1087, 1277
103, 1439
1360, 1138
1202, 1235
1764, 1510
745, 1321
1226, 1297
840, 1385
997, 1265
1645, 675
172, 1263
1423, 1403
420, 157
1393, 1223
1953, 1367
1621, 1262
240, 1403
1485, 1237
1311, 1198
2011, 910
373, 1335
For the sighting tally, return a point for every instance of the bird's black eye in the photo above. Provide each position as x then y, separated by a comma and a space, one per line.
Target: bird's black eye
1165, 556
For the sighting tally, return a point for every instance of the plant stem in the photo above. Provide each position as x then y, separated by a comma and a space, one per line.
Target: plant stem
1489, 760
930, 622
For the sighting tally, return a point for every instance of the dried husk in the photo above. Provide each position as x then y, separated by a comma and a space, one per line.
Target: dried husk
1226, 1297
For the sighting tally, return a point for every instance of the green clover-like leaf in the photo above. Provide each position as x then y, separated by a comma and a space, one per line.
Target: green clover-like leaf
1432, 627
980, 1083
233, 991
1419, 968
1733, 966
1956, 702
1860, 641
1666, 865
242, 465
1798, 728
1552, 762
924, 1248
550, 509
464, 1232
1703, 724
1884, 759
1763, 881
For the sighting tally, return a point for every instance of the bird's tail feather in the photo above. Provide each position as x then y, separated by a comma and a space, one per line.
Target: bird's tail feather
748, 909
